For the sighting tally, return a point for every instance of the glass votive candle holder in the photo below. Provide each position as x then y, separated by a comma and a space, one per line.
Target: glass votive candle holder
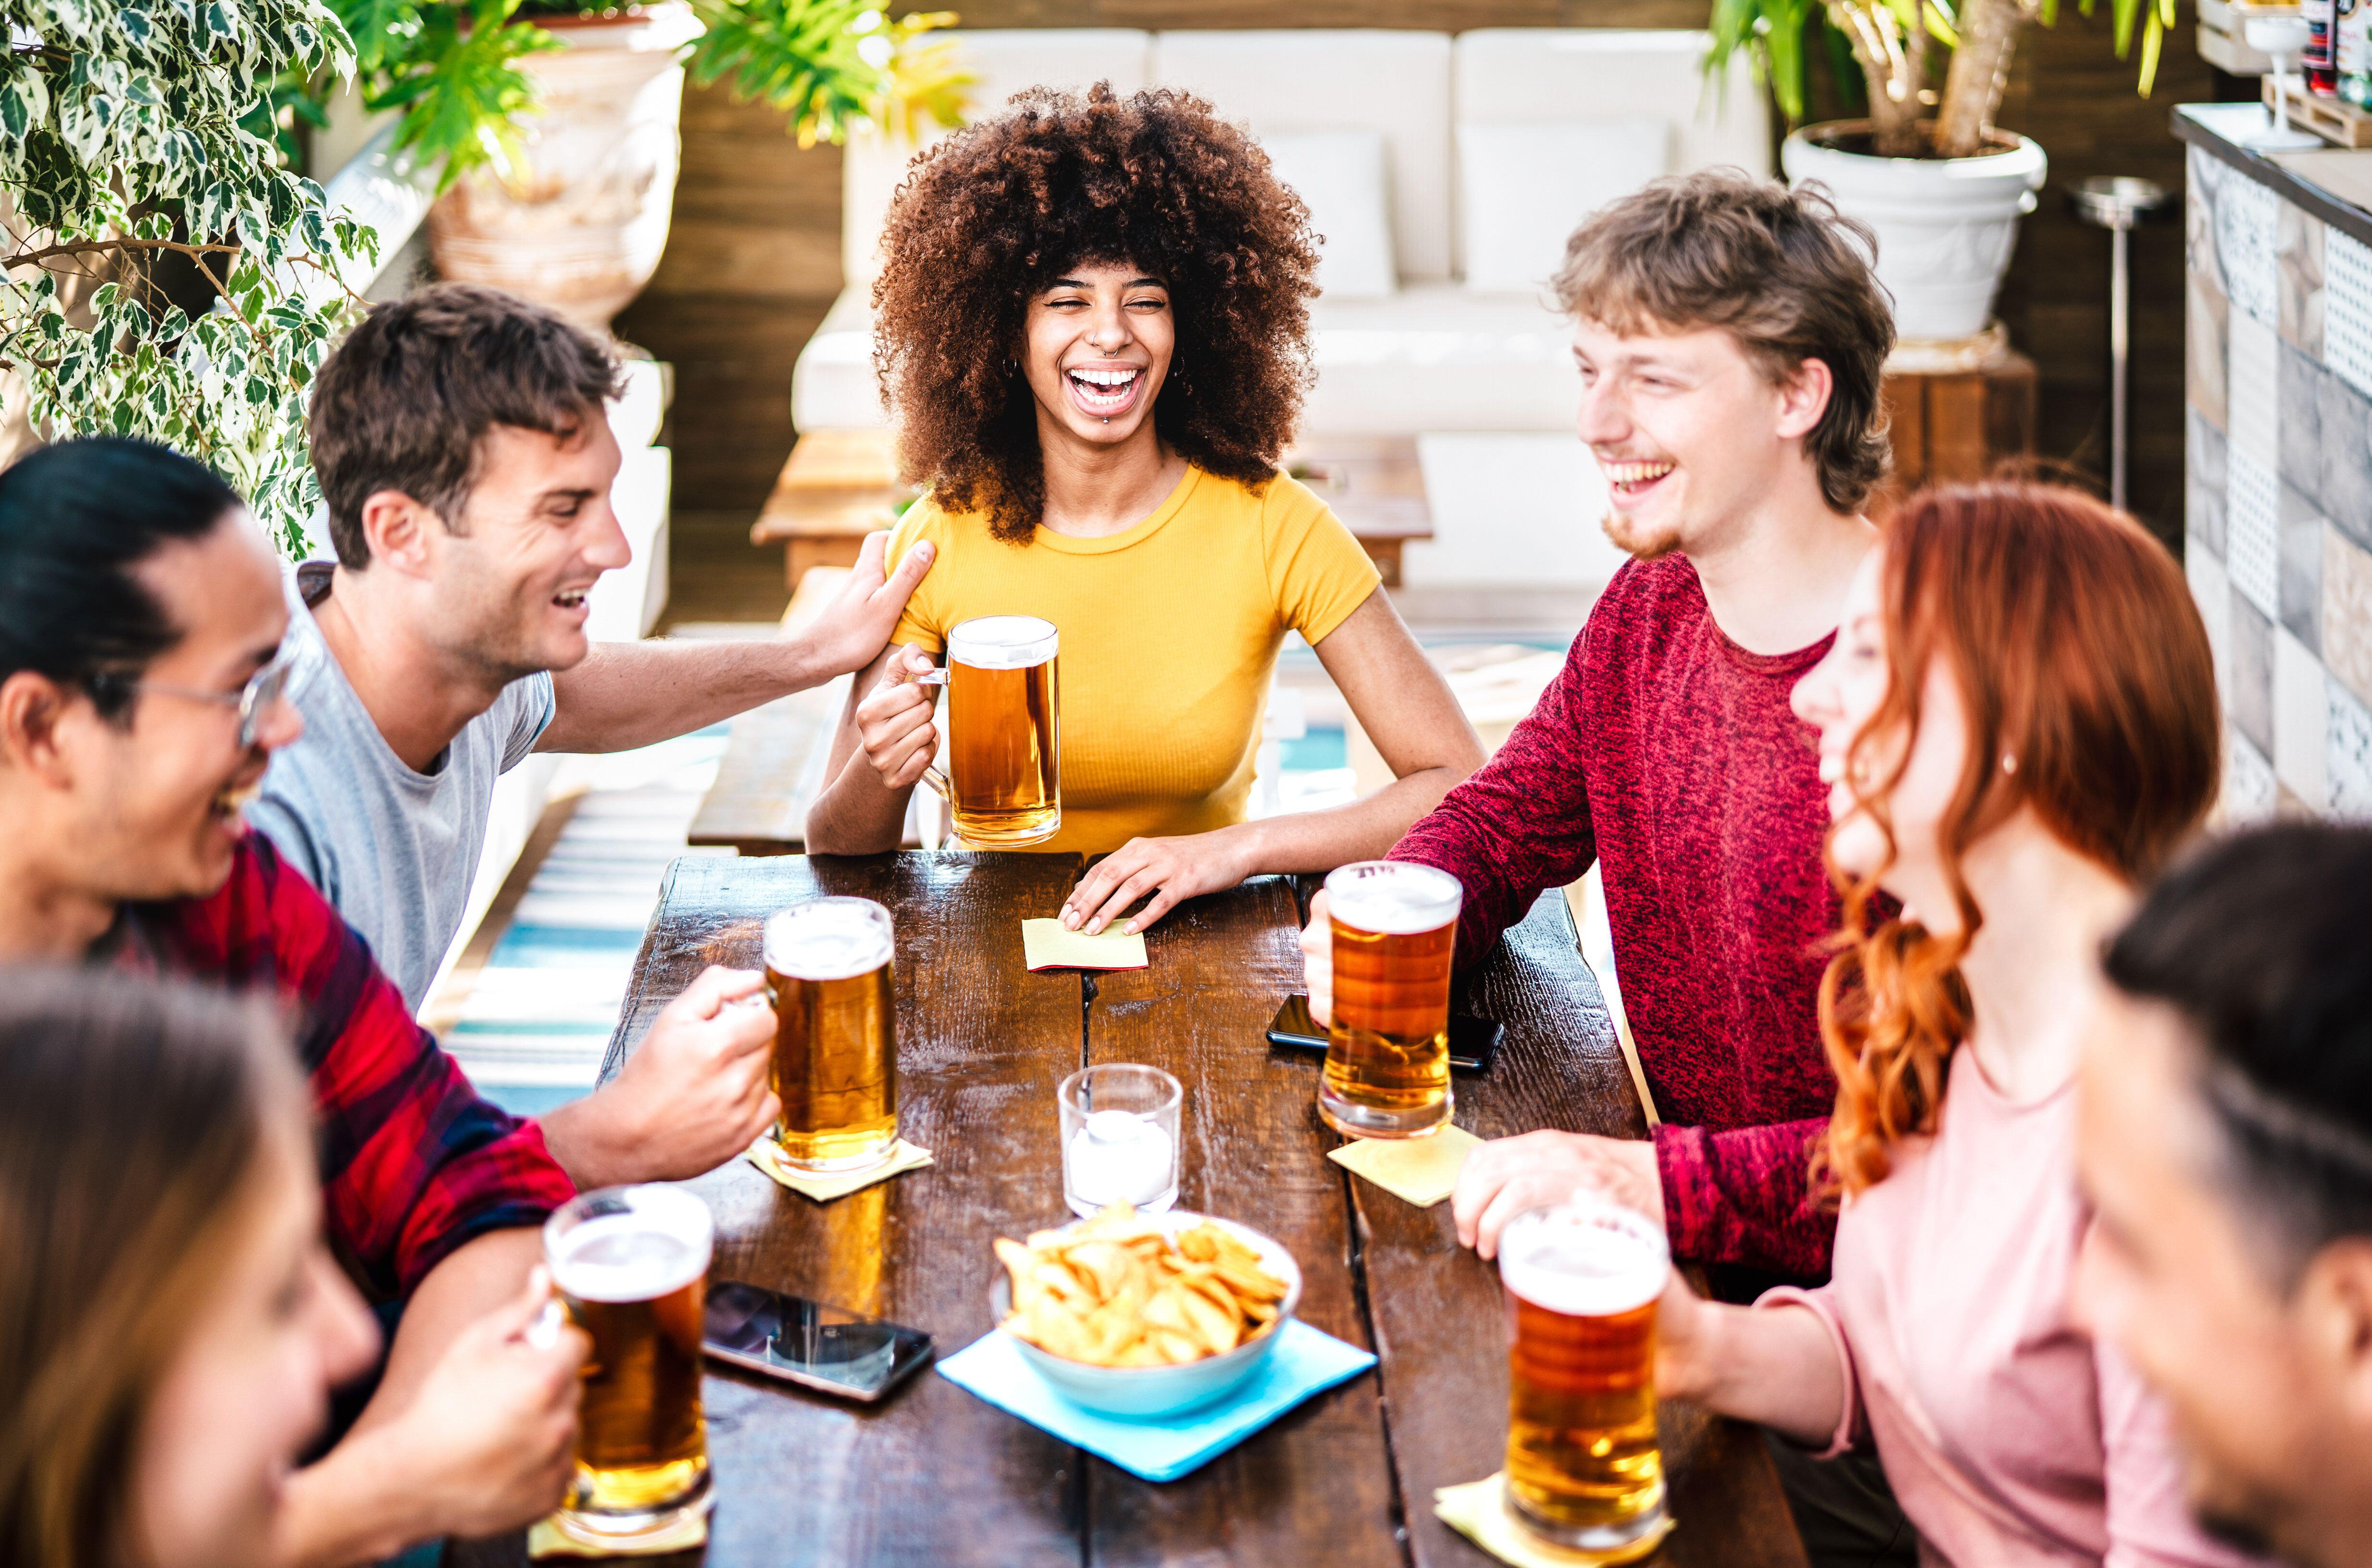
1119, 1137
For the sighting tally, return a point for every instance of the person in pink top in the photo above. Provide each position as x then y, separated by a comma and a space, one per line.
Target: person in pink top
2018, 726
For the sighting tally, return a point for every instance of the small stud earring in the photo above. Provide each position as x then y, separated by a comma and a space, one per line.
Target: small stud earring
2009, 762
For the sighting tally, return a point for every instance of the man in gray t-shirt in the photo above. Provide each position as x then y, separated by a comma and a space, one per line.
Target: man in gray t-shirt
395, 848
466, 460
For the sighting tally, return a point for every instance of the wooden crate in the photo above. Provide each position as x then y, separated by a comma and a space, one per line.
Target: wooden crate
2335, 119
1958, 427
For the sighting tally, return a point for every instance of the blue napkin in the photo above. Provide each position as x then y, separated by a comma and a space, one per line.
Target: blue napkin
1306, 1360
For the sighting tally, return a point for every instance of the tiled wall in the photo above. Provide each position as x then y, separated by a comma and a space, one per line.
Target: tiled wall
2279, 501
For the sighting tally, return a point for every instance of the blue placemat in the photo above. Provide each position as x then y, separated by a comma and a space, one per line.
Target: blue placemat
1306, 1360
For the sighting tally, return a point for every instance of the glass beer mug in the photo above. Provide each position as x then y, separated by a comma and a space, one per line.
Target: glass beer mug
1394, 926
1003, 783
835, 1066
631, 1267
1581, 1280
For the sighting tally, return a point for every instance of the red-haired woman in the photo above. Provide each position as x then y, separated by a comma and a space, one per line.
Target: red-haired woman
2017, 725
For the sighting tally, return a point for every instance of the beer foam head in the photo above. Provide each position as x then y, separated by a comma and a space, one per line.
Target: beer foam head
1002, 642
1393, 898
1586, 1258
828, 939
629, 1243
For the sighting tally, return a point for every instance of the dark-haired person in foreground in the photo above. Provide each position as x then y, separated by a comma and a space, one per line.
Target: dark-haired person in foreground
140, 697
466, 460
1094, 329
2225, 1145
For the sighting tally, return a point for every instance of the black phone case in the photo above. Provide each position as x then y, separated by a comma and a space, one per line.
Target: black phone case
1473, 1043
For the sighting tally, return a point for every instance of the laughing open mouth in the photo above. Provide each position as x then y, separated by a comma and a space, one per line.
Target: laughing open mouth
1631, 478
232, 800
572, 598
1104, 391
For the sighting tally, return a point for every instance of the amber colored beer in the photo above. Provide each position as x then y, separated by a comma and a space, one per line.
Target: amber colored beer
1388, 1045
630, 1265
1004, 778
835, 1068
1582, 1467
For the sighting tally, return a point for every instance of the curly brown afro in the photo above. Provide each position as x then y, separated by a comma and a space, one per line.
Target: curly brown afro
991, 214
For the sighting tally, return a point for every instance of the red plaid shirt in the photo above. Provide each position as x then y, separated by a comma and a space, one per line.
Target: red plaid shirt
413, 1163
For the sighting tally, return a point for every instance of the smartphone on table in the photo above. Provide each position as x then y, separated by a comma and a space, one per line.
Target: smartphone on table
1473, 1043
824, 1348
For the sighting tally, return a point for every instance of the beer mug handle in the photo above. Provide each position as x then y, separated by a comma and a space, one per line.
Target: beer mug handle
932, 775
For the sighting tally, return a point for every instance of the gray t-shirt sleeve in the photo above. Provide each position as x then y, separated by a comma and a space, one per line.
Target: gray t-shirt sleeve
524, 711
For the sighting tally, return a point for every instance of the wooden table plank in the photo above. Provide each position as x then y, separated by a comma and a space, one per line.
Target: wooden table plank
936, 1476
1438, 1313
1316, 1487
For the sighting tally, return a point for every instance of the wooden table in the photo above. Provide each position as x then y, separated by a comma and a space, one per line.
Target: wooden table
838, 485
937, 1476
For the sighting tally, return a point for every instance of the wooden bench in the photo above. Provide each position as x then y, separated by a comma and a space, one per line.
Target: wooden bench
840, 485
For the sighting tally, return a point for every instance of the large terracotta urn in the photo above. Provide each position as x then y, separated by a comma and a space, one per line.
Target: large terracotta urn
578, 222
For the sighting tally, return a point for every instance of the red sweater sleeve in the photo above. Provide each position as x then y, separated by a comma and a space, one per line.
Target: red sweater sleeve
1744, 1196
414, 1162
1517, 826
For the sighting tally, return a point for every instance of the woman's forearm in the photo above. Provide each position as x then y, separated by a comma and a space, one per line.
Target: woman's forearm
1367, 828
855, 813
1775, 1367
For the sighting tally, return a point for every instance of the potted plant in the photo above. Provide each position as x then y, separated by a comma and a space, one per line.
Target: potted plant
1943, 194
557, 122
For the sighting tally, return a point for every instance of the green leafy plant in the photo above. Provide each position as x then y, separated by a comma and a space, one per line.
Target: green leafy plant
1895, 44
452, 68
161, 273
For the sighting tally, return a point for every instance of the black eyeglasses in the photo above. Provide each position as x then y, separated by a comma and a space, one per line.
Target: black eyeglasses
265, 687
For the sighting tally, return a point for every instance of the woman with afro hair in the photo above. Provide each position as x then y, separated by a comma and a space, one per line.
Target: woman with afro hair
1092, 330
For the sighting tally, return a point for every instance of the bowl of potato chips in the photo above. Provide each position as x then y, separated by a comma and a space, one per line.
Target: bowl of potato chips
1145, 1315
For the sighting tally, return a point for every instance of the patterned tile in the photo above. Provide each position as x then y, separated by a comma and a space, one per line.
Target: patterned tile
2344, 435
2206, 174
2298, 258
2301, 719
2300, 421
2211, 590
2247, 219
2254, 390
2349, 764
2249, 787
2203, 493
2346, 612
2251, 705
2347, 310
2204, 353
2301, 591
2252, 531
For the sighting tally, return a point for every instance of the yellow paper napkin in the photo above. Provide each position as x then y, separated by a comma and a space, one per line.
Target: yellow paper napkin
547, 1539
1479, 1512
767, 1156
1046, 945
1416, 1170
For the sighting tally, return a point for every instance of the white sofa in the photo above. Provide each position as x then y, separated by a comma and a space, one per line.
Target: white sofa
1482, 375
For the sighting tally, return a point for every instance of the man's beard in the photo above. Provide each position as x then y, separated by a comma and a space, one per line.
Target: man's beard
1638, 541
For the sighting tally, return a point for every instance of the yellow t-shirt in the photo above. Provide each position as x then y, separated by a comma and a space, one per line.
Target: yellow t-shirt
1169, 633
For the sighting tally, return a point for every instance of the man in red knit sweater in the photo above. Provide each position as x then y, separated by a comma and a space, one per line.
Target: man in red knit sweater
1730, 337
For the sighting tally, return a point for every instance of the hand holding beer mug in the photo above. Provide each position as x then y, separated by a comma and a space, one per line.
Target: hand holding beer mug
835, 1063
631, 1264
1583, 1470
1394, 926
1004, 778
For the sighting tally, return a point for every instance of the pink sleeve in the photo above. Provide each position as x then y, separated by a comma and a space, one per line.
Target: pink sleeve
1852, 1430
2150, 1524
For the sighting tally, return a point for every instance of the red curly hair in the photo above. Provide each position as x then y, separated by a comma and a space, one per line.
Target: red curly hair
993, 214
2078, 650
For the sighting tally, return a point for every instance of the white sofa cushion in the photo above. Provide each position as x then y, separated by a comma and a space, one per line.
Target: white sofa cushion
1339, 175
1005, 60
1524, 188
1433, 357
1394, 84
1519, 76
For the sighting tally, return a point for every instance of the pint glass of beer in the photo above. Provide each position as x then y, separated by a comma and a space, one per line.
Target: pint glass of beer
1003, 780
1583, 1468
630, 1265
835, 1034
1388, 1048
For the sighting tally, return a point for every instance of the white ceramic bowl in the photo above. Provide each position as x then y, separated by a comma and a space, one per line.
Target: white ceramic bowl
1145, 1392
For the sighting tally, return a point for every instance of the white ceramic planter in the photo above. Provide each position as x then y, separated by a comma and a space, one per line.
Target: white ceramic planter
579, 223
1945, 226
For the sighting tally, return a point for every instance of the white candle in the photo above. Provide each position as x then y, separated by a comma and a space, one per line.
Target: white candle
1118, 1156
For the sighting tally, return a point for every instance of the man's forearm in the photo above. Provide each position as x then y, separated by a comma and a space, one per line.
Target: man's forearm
629, 694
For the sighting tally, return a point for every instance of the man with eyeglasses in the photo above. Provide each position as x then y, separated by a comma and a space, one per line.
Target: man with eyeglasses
142, 693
